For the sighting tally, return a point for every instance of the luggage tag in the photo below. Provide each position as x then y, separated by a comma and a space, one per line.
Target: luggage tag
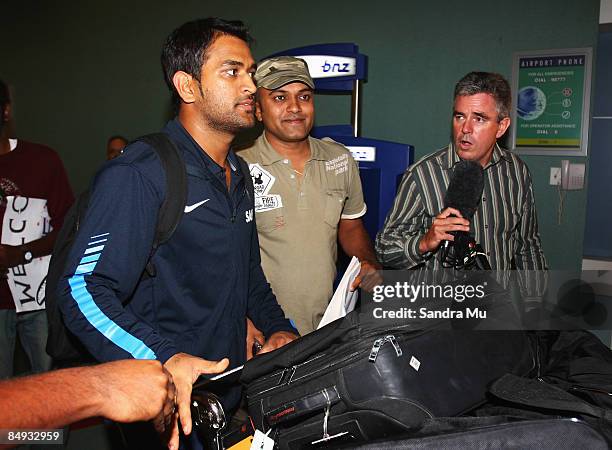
244, 434
262, 441
244, 444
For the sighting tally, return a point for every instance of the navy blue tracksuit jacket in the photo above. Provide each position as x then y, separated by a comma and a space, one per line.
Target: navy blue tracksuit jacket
208, 274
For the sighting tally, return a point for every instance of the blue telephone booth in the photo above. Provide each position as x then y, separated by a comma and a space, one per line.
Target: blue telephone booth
341, 68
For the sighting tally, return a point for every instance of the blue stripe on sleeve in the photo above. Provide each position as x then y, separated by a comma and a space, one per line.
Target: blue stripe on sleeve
83, 269
96, 317
90, 258
94, 249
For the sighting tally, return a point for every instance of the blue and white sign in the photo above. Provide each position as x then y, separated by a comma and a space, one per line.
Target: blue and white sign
362, 153
334, 67
327, 66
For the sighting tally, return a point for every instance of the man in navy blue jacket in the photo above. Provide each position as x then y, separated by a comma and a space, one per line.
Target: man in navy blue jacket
191, 315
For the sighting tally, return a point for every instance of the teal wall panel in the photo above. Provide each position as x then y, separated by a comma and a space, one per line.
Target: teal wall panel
82, 71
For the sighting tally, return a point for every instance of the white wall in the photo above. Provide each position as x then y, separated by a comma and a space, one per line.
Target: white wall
605, 11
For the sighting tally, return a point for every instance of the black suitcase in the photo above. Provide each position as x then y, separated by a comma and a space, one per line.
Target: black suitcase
546, 434
369, 382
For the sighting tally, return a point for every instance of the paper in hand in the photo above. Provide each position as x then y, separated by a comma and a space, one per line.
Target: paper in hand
343, 300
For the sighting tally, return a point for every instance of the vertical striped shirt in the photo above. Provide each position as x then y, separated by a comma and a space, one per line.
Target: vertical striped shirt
505, 223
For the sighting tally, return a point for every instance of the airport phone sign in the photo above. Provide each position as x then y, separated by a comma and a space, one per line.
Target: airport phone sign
550, 101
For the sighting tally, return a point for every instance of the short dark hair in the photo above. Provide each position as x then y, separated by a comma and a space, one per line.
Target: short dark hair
116, 136
487, 83
185, 48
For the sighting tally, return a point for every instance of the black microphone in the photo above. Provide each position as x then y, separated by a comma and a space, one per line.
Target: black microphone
465, 188
463, 194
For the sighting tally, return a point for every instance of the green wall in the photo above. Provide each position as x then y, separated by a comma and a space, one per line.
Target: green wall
82, 72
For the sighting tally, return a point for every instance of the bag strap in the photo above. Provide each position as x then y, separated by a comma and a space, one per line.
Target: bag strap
173, 206
320, 400
246, 173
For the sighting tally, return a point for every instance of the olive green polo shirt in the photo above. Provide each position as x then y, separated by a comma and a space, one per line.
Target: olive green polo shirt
297, 222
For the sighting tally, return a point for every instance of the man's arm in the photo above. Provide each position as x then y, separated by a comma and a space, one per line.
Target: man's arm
14, 255
59, 199
407, 238
185, 370
355, 241
448, 220
124, 391
529, 254
105, 264
397, 244
352, 235
104, 267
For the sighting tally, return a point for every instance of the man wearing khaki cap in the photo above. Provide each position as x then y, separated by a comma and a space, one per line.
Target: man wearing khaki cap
307, 196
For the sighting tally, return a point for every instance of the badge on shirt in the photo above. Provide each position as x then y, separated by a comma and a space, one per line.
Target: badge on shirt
262, 179
268, 202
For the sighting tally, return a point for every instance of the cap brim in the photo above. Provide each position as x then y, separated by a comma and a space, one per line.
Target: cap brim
282, 81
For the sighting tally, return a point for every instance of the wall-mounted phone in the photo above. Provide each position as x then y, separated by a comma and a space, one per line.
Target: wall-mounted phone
572, 176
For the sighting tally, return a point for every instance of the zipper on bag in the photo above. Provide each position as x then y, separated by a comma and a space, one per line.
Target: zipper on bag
284, 380
378, 343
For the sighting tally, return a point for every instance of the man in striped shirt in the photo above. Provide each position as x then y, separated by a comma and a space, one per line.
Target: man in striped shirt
505, 223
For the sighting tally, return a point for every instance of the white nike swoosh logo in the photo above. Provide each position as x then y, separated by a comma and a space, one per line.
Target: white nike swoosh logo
190, 208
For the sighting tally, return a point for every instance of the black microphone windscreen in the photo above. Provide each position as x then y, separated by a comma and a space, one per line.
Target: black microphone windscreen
465, 188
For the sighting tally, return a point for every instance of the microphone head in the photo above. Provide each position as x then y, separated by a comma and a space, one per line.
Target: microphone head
465, 188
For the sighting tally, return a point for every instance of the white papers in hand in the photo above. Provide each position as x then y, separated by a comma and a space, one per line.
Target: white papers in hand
343, 301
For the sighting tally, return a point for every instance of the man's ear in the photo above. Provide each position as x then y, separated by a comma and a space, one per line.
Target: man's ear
6, 113
258, 111
502, 127
185, 86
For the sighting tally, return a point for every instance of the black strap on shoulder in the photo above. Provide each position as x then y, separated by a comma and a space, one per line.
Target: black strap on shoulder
173, 205
246, 173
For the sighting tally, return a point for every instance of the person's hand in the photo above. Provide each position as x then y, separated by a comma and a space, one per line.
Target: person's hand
185, 370
134, 390
10, 256
253, 335
277, 340
368, 277
448, 220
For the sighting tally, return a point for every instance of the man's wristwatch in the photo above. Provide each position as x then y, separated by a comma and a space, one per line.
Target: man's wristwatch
27, 256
